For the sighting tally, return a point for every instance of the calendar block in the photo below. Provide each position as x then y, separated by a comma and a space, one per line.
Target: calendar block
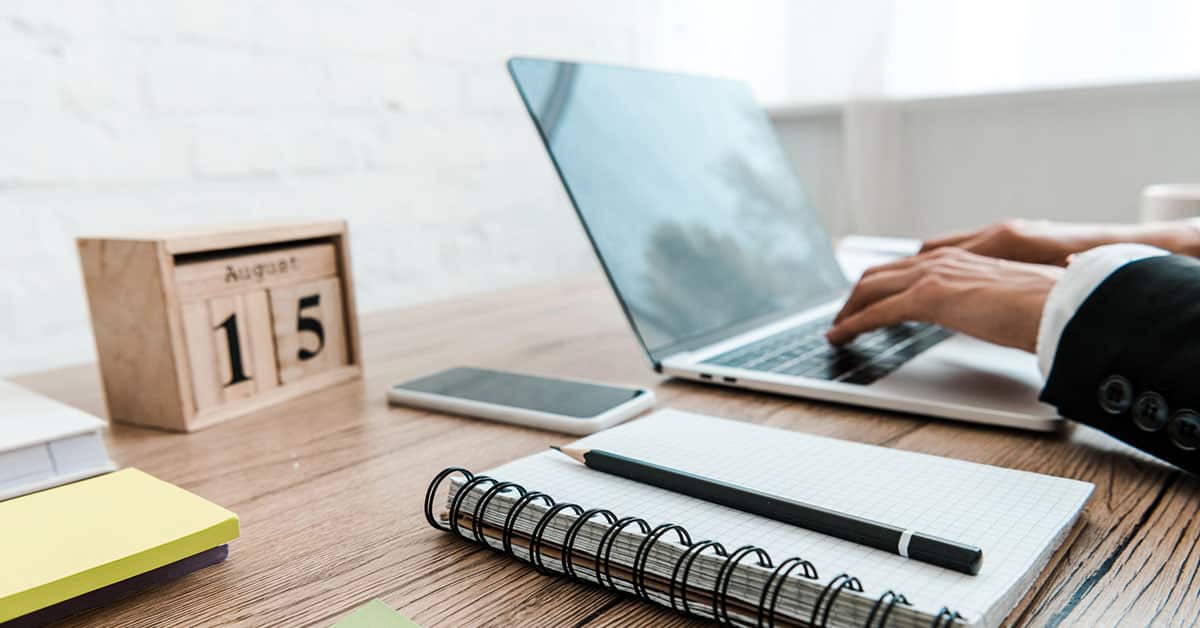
302, 315
230, 347
200, 327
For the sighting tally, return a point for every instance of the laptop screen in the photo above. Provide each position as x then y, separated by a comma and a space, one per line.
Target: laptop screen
687, 196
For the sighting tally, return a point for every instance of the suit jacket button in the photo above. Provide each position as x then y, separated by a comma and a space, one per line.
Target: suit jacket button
1184, 430
1150, 411
1115, 394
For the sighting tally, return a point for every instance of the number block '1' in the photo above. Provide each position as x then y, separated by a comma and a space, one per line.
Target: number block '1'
230, 347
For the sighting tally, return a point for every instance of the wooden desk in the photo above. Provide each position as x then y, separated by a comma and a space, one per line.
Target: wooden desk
329, 487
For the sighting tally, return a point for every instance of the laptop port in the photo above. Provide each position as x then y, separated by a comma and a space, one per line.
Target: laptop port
705, 376
730, 380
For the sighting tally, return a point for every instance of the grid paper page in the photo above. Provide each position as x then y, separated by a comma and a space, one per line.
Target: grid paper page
1014, 516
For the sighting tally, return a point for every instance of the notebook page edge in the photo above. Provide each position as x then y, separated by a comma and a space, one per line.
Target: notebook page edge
1005, 604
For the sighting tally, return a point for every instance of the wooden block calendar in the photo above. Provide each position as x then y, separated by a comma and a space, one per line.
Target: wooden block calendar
194, 328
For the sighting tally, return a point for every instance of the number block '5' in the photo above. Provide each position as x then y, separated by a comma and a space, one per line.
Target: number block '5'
308, 322
199, 327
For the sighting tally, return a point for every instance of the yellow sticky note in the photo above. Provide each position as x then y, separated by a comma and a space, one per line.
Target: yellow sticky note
67, 541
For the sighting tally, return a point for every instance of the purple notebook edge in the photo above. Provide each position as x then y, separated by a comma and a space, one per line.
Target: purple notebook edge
120, 590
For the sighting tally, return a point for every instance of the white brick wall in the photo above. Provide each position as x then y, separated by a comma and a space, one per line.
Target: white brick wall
396, 115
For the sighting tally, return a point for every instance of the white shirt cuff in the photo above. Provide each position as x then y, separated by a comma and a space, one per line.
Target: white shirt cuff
1086, 271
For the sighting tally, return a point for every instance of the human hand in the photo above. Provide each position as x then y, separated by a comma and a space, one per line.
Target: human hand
1045, 242
996, 300
1034, 242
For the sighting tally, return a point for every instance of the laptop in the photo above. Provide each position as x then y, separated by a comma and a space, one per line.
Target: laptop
721, 264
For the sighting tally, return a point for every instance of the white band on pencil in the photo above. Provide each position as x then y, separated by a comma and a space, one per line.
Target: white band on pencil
905, 537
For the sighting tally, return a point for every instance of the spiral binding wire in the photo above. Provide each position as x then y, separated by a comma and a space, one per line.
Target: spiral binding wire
835, 587
685, 563
768, 598
481, 510
720, 599
573, 532
887, 602
606, 544
642, 557
945, 617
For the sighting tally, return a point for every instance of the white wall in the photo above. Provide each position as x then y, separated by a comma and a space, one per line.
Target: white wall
1075, 154
396, 115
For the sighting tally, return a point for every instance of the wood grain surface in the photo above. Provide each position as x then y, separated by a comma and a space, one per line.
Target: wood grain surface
329, 486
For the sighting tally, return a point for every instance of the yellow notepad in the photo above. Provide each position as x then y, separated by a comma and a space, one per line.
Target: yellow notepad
67, 541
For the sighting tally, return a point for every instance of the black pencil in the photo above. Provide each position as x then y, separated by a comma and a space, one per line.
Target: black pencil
908, 543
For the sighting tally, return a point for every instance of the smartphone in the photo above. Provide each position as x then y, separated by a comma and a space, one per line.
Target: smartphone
561, 405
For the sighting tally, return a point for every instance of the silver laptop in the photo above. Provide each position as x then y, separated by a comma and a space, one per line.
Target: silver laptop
720, 262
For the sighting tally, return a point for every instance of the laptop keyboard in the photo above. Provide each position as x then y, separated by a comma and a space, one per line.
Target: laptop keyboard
803, 351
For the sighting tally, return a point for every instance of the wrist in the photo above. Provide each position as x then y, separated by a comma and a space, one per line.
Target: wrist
1179, 237
1187, 237
1077, 238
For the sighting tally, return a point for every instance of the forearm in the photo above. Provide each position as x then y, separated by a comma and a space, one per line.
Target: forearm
1181, 237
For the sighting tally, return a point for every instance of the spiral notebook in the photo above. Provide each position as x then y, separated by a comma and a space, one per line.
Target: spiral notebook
715, 562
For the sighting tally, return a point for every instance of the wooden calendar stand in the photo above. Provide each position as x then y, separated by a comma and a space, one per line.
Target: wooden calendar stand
200, 327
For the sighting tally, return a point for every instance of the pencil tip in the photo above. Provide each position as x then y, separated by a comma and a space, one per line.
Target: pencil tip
574, 454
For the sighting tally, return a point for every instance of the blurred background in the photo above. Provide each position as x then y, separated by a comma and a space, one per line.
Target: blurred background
903, 117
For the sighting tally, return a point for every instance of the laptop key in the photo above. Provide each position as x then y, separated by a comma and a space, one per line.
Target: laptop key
802, 351
865, 375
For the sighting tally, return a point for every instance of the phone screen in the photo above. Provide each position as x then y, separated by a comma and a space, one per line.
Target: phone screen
542, 394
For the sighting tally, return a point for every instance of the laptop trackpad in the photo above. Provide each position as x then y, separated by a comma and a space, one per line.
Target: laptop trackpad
963, 370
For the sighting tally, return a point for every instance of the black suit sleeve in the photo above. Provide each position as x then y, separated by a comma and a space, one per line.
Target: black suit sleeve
1128, 361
